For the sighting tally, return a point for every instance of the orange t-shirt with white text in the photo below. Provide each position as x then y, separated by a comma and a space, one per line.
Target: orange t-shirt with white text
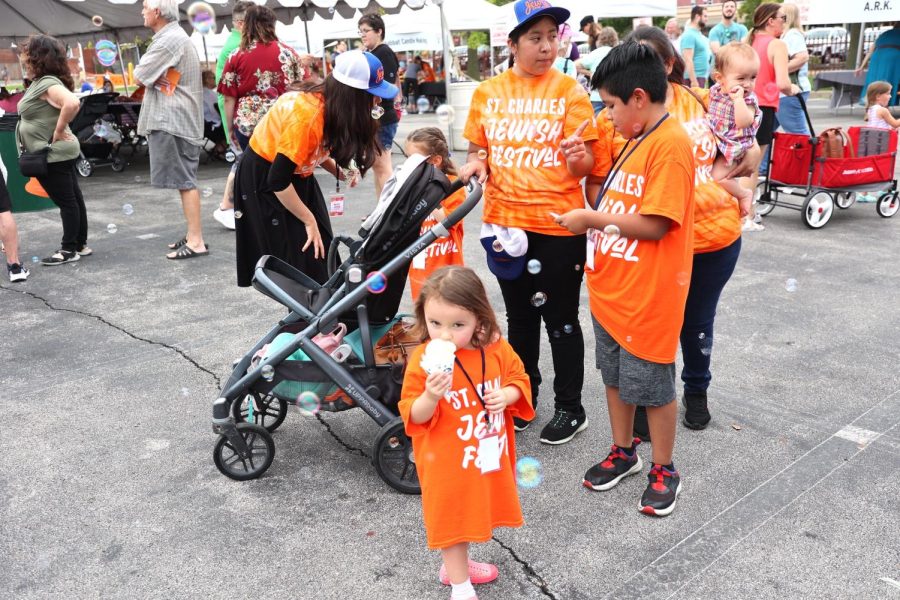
294, 127
638, 288
443, 251
521, 122
459, 502
717, 220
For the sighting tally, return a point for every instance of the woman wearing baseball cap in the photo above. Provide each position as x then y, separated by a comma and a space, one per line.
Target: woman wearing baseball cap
279, 208
531, 129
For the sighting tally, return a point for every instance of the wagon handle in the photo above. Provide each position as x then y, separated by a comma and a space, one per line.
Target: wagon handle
812, 132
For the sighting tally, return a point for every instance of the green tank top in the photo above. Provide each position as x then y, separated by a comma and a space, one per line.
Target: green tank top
37, 120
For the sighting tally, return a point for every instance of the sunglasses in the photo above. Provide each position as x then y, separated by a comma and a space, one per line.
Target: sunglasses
782, 17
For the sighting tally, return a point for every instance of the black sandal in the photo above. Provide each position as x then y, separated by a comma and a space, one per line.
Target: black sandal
178, 244
185, 251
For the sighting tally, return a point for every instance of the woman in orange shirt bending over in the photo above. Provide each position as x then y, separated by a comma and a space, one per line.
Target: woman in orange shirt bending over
458, 408
278, 206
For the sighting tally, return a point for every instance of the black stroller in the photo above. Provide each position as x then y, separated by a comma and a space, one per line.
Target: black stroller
363, 293
98, 135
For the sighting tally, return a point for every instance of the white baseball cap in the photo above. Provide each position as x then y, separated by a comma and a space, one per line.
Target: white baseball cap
363, 71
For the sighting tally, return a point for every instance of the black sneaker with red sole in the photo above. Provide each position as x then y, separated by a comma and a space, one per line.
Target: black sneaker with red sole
662, 492
616, 467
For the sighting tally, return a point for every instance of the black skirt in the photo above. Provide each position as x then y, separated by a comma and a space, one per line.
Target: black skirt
264, 226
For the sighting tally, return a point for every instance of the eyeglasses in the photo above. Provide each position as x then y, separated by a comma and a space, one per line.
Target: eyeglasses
782, 17
363, 32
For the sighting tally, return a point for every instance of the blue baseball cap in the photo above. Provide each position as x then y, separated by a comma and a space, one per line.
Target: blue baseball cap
527, 11
363, 71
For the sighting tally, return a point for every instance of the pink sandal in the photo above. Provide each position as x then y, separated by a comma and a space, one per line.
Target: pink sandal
478, 573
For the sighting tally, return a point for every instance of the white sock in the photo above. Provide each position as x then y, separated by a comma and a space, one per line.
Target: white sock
462, 591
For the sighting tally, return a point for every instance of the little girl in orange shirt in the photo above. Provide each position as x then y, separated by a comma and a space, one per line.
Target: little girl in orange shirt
458, 408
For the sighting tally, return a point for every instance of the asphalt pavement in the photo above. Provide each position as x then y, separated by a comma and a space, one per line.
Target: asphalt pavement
108, 488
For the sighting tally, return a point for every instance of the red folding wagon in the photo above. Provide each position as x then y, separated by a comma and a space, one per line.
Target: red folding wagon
798, 167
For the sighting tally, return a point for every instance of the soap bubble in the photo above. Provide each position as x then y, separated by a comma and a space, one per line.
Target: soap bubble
612, 230
577, 267
556, 333
497, 246
207, 192
111, 228
539, 299
185, 392
275, 222
137, 179
568, 328
790, 285
771, 88
97, 20
202, 17
627, 338
683, 278
308, 403
376, 282
445, 114
238, 214
705, 344
35, 259
534, 266
529, 472
127, 210
482, 154
423, 104
268, 372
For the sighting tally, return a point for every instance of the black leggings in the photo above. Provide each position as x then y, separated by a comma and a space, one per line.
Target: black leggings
61, 184
562, 269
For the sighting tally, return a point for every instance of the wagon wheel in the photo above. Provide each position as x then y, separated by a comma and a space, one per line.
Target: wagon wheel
394, 460
817, 210
888, 205
845, 199
268, 411
765, 201
261, 452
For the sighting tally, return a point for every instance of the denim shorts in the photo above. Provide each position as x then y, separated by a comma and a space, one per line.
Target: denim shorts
386, 135
640, 382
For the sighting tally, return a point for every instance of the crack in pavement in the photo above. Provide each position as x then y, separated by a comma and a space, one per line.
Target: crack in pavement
331, 432
530, 573
177, 350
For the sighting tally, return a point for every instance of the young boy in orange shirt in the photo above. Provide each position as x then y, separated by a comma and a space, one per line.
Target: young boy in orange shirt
639, 257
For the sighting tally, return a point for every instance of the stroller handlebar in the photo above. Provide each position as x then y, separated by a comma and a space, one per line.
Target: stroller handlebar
472, 198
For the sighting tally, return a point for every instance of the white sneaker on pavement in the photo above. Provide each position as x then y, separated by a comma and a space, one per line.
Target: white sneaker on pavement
225, 217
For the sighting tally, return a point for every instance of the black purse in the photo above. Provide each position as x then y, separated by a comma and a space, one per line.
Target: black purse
34, 164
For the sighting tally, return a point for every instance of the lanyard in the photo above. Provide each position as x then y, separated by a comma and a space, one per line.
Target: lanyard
472, 383
617, 166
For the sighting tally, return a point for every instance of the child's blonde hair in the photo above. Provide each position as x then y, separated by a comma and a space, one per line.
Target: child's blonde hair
731, 53
875, 89
433, 140
461, 287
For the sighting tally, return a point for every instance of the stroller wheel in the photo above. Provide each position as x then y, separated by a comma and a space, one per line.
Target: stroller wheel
260, 452
845, 199
765, 202
84, 167
268, 411
888, 205
118, 165
394, 460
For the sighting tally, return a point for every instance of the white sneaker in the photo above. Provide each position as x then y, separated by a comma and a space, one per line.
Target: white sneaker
750, 225
17, 272
225, 217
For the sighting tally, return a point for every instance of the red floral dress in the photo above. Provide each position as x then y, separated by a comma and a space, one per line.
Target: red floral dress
256, 77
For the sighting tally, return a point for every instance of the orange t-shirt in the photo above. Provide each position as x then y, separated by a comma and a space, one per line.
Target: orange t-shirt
717, 219
521, 122
459, 503
638, 288
293, 126
443, 251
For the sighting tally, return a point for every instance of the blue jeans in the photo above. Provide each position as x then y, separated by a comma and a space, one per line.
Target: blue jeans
386, 135
791, 119
711, 272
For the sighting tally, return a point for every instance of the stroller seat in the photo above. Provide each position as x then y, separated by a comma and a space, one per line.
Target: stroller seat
289, 286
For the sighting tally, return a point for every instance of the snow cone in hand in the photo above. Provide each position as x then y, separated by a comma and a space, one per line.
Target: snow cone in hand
438, 357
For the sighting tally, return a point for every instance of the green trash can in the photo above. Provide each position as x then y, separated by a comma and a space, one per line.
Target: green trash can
22, 201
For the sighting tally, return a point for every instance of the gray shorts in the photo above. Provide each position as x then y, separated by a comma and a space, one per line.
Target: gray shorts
640, 382
173, 161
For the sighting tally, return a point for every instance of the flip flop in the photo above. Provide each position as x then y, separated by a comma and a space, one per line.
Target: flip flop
178, 244
186, 252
